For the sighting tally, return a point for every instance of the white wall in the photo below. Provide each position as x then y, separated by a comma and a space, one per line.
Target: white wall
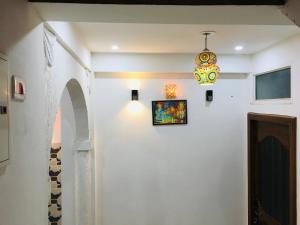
282, 55
24, 182
68, 162
12, 30
170, 175
164, 63
191, 177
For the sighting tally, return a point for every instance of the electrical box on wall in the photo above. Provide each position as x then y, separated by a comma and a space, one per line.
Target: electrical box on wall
4, 124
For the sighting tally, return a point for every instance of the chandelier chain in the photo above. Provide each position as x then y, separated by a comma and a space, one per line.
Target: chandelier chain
206, 40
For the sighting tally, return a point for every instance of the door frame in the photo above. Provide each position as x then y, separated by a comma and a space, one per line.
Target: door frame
291, 122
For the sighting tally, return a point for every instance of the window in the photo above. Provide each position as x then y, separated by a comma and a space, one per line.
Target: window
273, 85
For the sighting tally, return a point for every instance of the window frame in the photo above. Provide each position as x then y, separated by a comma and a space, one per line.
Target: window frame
277, 101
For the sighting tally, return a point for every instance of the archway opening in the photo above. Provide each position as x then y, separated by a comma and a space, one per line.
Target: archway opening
55, 168
70, 169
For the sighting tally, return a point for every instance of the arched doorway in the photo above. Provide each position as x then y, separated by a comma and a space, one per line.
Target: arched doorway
70, 161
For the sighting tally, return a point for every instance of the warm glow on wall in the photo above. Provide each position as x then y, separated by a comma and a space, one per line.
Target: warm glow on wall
56, 136
134, 107
170, 91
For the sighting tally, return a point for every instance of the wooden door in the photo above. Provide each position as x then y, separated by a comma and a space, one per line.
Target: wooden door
271, 169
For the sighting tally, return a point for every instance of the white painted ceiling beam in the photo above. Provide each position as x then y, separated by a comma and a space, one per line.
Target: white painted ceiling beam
248, 15
164, 63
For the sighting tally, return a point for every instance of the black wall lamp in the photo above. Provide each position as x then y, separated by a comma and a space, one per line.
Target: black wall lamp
134, 95
209, 95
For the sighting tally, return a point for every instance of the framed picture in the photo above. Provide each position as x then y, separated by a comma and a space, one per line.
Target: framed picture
169, 112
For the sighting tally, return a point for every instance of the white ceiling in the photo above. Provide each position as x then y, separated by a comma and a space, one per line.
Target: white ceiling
181, 38
172, 29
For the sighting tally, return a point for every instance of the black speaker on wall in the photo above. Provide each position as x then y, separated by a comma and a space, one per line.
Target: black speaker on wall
209, 95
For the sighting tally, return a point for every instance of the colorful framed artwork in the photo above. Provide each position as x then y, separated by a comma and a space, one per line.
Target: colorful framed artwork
169, 112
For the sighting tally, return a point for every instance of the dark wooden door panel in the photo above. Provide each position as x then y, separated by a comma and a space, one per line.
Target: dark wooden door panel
272, 169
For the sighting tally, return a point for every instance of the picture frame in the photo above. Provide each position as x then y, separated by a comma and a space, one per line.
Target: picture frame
169, 112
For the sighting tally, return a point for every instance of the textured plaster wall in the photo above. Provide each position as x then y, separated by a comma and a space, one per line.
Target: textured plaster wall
164, 63
24, 182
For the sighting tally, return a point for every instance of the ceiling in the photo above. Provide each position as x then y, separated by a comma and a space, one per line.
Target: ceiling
181, 38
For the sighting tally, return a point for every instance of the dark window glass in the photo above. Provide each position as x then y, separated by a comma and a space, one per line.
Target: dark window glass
273, 85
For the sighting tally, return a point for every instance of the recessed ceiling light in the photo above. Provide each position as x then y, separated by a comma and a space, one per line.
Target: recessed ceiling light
114, 47
239, 47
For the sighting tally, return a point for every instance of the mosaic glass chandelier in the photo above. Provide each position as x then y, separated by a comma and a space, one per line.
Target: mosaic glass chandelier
206, 71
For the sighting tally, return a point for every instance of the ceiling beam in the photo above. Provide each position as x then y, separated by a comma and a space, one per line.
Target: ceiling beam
162, 14
291, 10
170, 2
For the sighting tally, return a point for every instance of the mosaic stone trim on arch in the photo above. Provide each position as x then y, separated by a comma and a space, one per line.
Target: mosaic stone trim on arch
54, 205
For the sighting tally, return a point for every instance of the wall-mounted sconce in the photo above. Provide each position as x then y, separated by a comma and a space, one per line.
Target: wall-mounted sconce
134, 95
209, 95
170, 91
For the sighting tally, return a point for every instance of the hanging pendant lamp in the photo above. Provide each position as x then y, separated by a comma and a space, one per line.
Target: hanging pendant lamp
206, 71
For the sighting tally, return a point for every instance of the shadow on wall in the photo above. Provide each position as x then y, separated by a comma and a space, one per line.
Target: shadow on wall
17, 18
2, 170
80, 110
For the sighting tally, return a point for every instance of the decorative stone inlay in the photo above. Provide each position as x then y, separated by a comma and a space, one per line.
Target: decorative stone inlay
54, 205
